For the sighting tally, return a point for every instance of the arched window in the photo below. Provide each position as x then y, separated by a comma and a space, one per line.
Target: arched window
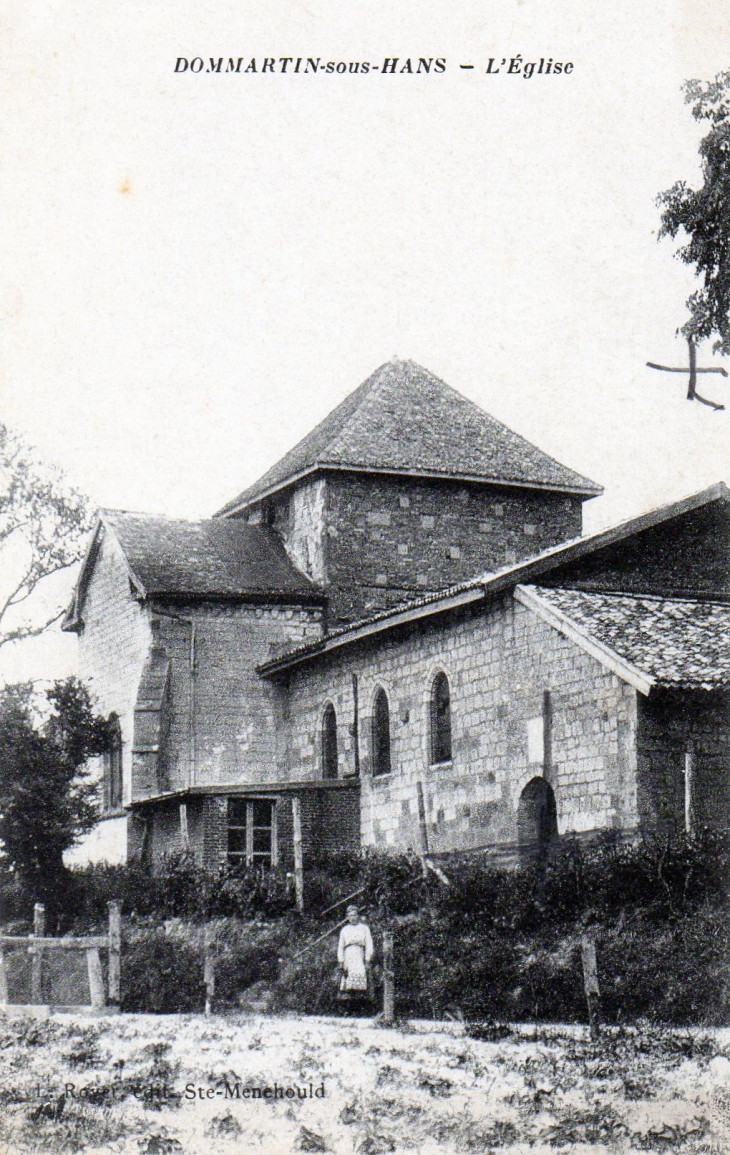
440, 719
113, 766
329, 742
381, 733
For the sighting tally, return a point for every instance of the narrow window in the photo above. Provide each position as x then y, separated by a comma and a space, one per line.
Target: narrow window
113, 787
381, 733
440, 720
251, 832
329, 742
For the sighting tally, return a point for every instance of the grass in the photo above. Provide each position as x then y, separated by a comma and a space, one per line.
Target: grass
421, 1089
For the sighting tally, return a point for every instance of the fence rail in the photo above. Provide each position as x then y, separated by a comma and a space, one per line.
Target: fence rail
38, 944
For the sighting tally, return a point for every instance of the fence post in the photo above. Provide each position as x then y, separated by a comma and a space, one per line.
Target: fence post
115, 953
590, 983
3, 980
388, 985
96, 979
296, 813
36, 971
208, 968
422, 827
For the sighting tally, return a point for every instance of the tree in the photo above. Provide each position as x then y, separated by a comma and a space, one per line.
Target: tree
47, 797
43, 522
704, 215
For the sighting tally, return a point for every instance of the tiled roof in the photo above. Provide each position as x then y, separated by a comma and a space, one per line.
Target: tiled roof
404, 419
205, 557
676, 641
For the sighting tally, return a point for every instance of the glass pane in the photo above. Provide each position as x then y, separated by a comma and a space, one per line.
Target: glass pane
262, 812
441, 720
329, 743
237, 811
262, 841
236, 839
381, 734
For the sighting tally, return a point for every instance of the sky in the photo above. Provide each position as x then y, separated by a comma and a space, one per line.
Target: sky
197, 268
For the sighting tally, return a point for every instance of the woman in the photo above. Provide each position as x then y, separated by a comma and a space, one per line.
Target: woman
354, 953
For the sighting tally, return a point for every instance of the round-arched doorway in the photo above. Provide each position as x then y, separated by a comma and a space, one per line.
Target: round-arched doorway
537, 821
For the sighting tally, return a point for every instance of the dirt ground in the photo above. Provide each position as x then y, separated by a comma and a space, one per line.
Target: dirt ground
186, 1084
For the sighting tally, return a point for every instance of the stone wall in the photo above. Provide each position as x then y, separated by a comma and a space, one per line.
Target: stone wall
113, 644
224, 724
669, 726
375, 540
500, 660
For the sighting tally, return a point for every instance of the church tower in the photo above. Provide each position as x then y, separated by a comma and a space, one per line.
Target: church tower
406, 488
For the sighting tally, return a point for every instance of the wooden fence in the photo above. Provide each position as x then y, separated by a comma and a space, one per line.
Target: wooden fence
38, 945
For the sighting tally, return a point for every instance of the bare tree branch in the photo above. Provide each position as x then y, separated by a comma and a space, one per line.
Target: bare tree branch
49, 521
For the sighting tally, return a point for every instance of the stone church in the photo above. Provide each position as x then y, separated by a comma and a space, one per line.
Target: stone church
399, 635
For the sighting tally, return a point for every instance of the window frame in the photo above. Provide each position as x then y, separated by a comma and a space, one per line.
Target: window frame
250, 855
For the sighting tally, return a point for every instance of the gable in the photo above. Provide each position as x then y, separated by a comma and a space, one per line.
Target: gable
647, 640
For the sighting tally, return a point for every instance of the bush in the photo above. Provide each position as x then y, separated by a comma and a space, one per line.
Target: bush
178, 888
496, 944
161, 975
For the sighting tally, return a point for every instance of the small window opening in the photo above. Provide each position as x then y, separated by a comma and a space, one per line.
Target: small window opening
440, 720
113, 782
329, 742
381, 733
251, 832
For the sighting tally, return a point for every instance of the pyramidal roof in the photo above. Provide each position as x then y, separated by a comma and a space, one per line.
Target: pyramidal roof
405, 420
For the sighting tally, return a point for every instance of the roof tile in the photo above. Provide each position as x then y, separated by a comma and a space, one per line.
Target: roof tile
405, 419
205, 557
679, 642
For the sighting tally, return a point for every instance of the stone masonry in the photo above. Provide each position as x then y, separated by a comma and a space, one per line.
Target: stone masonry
225, 722
113, 645
500, 660
671, 726
375, 540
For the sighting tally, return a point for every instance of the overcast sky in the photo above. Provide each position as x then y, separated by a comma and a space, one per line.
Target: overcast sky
197, 268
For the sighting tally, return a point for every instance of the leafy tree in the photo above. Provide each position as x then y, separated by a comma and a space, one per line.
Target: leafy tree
47, 798
704, 215
43, 522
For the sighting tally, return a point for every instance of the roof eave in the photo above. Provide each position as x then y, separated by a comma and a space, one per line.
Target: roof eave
241, 503
316, 597
367, 629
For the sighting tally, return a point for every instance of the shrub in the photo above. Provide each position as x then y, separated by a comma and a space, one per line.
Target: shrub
161, 975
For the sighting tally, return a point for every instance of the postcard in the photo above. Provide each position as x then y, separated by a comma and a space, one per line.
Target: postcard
364, 595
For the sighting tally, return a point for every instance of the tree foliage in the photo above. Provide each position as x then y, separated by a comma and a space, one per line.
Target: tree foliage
704, 215
43, 522
47, 797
